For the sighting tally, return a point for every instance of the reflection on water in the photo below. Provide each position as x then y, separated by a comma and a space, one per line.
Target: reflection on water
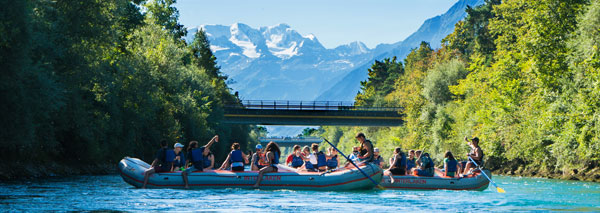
90, 193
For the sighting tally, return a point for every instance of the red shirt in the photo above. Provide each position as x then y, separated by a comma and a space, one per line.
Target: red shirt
289, 158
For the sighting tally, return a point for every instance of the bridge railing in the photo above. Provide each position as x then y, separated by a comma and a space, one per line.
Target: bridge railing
305, 105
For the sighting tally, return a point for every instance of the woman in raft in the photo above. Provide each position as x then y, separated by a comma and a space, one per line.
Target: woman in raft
236, 159
296, 160
332, 159
272, 158
451, 165
397, 165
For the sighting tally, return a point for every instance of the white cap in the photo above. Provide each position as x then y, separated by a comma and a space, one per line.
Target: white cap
376, 150
178, 145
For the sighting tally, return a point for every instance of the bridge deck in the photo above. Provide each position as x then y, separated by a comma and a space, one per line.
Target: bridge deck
311, 113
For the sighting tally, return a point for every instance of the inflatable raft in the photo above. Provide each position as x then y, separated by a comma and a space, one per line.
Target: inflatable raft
132, 170
475, 181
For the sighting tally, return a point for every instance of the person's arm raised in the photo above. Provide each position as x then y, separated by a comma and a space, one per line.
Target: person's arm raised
210, 143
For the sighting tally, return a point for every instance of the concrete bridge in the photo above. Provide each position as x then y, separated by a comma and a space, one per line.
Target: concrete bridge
312, 113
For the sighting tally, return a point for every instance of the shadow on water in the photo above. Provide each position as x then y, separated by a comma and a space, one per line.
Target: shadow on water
110, 193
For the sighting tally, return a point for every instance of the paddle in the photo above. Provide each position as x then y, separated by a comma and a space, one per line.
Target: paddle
347, 158
500, 190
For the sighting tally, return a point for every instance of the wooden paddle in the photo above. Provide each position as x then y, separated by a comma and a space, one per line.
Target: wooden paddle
363, 172
500, 190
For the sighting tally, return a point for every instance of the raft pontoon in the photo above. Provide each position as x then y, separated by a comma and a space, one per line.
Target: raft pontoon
132, 171
475, 181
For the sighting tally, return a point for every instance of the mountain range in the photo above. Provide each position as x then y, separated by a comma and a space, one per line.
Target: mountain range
278, 63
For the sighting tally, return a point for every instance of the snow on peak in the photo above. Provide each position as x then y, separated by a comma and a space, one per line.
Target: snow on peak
353, 48
247, 38
284, 42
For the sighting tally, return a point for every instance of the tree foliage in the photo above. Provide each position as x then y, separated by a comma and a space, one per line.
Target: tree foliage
89, 82
520, 75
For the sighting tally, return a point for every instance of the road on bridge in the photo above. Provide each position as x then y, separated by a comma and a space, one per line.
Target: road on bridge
315, 113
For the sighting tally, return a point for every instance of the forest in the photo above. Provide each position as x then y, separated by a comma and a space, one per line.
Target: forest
85, 83
523, 76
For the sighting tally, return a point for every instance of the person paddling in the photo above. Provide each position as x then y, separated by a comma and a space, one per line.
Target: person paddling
198, 158
272, 157
236, 159
398, 164
366, 148
476, 154
159, 164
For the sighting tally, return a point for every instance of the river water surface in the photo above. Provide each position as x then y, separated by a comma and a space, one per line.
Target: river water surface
93, 193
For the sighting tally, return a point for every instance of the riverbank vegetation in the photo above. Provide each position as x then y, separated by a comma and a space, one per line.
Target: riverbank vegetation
523, 76
85, 83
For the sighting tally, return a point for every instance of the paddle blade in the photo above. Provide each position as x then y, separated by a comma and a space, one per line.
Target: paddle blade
500, 190
380, 187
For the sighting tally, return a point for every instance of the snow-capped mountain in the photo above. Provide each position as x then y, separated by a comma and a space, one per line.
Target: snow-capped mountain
277, 62
433, 31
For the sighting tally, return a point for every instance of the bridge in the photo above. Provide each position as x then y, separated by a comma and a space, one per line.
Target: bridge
312, 113
290, 141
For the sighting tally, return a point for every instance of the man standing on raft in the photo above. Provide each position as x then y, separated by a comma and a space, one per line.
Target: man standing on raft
366, 148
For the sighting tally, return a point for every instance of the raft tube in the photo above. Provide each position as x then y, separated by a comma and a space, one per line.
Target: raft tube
132, 171
475, 181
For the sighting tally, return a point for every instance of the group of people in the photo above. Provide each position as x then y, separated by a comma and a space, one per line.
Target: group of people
304, 159
420, 163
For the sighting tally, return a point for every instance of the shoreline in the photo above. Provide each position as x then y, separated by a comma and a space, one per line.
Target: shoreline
38, 171
584, 175
32, 172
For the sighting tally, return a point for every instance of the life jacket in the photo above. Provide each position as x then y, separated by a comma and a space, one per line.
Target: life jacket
181, 162
377, 160
401, 163
275, 159
363, 150
236, 158
297, 161
308, 165
426, 162
480, 161
196, 157
321, 159
206, 160
410, 164
451, 165
169, 156
332, 162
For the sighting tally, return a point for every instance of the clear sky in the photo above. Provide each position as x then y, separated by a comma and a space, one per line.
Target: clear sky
333, 22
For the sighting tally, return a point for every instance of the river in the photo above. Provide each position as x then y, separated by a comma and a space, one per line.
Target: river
109, 192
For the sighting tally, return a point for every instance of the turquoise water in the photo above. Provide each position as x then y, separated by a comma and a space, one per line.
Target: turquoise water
92, 193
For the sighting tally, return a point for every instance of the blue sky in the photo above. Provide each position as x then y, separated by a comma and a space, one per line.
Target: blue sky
333, 22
